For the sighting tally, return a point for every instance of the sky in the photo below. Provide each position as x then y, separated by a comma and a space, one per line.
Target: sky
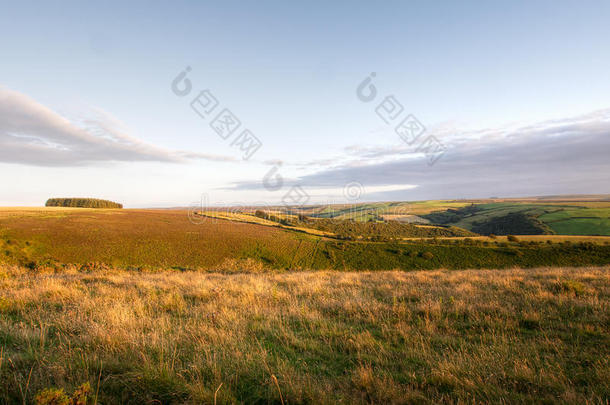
160, 104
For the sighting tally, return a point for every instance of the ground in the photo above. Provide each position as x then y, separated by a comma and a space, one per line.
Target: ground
538, 335
165, 239
145, 306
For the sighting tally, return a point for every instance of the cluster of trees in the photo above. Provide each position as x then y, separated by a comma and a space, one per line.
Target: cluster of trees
379, 231
270, 217
513, 223
82, 203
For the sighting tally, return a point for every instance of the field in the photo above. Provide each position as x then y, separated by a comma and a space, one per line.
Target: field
584, 215
378, 210
165, 239
539, 335
169, 306
126, 238
565, 218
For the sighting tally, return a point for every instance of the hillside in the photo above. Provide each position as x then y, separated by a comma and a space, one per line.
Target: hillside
156, 239
564, 215
566, 218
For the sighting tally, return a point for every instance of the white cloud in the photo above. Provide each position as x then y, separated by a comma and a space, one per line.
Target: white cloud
32, 134
564, 156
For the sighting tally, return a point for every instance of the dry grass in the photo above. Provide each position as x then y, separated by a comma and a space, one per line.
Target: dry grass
516, 335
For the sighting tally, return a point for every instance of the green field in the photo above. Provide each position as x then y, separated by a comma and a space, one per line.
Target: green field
579, 221
563, 217
368, 211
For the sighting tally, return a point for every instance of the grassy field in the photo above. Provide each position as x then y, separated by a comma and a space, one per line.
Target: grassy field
164, 239
159, 306
159, 238
502, 336
583, 221
565, 218
378, 210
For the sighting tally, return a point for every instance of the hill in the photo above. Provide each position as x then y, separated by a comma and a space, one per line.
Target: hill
566, 218
566, 215
54, 238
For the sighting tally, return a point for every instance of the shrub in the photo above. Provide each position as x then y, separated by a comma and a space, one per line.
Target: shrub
427, 255
512, 223
54, 396
529, 323
571, 286
512, 238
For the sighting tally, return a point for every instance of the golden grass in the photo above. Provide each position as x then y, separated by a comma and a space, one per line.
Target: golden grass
538, 335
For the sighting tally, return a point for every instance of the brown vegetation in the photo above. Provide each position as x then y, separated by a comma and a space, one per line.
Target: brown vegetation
313, 337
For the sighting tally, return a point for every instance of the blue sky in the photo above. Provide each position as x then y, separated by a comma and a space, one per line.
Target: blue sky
485, 79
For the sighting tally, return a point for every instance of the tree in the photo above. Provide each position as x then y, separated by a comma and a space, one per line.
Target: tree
82, 203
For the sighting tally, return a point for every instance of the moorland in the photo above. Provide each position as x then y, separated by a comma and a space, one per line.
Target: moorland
421, 302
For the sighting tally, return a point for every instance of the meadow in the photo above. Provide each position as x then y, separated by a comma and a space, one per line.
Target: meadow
164, 239
105, 306
560, 217
567, 215
538, 335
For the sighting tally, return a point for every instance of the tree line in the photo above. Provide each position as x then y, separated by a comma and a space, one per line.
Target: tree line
82, 203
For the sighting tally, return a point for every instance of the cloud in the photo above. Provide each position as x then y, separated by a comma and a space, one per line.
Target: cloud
565, 156
32, 134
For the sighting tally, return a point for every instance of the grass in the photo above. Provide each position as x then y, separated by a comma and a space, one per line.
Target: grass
161, 239
563, 216
366, 211
503, 336
252, 219
586, 218
584, 221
